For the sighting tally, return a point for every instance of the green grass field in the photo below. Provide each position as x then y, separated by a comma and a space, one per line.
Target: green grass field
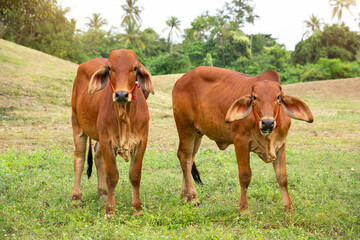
36, 167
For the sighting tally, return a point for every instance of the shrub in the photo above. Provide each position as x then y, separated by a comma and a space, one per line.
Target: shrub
335, 68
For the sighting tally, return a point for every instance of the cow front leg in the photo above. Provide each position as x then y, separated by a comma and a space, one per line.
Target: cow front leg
135, 177
281, 176
101, 175
243, 160
79, 158
112, 176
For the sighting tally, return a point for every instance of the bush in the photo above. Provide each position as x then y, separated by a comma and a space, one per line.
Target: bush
355, 69
335, 68
169, 63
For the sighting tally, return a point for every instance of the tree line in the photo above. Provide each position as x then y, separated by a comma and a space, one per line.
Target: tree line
326, 51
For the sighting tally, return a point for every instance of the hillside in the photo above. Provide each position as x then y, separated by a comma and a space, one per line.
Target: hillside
35, 91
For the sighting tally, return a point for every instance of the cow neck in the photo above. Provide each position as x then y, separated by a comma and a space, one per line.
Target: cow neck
120, 140
132, 91
256, 115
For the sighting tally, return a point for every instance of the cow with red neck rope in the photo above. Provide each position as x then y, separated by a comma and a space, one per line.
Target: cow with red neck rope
109, 106
218, 103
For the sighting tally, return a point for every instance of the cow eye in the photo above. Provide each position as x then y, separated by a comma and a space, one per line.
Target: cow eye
109, 68
135, 69
278, 98
255, 98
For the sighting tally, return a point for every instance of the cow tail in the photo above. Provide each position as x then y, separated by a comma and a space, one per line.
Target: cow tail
89, 160
196, 175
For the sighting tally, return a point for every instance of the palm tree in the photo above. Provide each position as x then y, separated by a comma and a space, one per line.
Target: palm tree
313, 25
132, 13
132, 36
173, 24
221, 30
358, 19
199, 26
339, 5
96, 22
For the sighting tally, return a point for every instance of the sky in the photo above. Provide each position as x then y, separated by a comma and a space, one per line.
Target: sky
283, 19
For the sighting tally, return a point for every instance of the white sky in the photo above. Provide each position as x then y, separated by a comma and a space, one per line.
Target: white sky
284, 19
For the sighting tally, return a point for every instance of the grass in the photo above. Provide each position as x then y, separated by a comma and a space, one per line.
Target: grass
36, 168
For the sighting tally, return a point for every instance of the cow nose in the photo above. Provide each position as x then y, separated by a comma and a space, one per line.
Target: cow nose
267, 124
121, 96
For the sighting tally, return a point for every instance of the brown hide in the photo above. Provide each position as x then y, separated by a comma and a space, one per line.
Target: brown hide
224, 105
119, 125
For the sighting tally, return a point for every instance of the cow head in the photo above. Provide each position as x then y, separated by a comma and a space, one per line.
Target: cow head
124, 71
265, 102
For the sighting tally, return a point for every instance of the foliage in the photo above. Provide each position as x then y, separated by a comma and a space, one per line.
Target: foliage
313, 25
339, 5
261, 41
40, 24
96, 22
173, 25
335, 68
132, 13
334, 42
167, 63
212, 39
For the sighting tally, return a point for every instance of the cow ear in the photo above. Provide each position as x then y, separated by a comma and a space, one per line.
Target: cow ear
143, 76
297, 109
98, 80
240, 109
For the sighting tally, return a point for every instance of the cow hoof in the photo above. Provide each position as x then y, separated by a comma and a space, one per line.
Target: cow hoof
137, 213
76, 201
245, 212
110, 211
109, 215
102, 194
289, 209
76, 198
195, 202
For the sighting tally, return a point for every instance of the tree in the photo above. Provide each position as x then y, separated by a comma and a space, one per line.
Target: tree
358, 19
41, 25
333, 42
339, 5
96, 22
132, 13
173, 24
241, 12
313, 25
132, 37
199, 26
261, 41
221, 30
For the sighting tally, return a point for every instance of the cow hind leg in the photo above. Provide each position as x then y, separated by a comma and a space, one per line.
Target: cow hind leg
186, 154
194, 171
79, 158
100, 168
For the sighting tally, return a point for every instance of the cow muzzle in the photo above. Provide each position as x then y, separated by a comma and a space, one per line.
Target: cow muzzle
267, 125
121, 97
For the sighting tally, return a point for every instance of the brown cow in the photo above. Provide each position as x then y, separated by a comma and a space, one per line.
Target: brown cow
232, 108
108, 106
